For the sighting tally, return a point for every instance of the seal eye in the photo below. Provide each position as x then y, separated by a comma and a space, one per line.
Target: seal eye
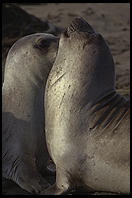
42, 43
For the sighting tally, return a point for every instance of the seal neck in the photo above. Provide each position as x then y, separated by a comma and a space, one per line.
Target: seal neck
110, 108
26, 98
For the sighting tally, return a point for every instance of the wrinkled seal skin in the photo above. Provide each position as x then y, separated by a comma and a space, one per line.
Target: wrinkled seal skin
24, 151
87, 122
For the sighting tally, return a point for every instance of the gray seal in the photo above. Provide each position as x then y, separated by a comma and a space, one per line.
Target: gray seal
87, 122
24, 151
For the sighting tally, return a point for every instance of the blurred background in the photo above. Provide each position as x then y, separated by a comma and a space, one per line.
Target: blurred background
112, 20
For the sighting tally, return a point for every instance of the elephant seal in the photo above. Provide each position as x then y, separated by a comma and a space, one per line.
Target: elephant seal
24, 151
87, 122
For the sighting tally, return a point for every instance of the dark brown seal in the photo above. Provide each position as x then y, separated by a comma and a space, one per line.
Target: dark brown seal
87, 122
24, 151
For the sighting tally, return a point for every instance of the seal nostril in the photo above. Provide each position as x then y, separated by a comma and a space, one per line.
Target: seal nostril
79, 24
65, 33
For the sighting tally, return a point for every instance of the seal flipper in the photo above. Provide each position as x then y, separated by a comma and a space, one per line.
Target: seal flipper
26, 175
54, 190
30, 179
34, 184
62, 185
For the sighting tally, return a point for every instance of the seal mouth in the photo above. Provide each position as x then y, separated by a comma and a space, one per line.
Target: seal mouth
79, 25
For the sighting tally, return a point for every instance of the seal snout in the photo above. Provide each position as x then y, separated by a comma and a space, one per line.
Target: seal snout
79, 24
